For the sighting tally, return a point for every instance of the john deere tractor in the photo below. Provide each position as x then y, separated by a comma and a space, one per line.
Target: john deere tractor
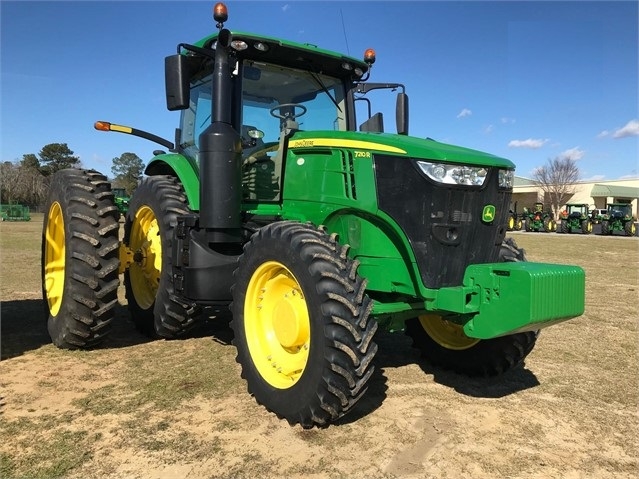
575, 218
121, 199
618, 218
514, 221
539, 220
310, 222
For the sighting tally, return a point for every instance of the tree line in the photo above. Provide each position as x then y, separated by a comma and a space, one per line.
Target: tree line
26, 181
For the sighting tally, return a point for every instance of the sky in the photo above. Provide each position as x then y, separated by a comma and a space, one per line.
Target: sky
529, 81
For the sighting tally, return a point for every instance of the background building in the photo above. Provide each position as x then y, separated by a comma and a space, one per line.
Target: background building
597, 194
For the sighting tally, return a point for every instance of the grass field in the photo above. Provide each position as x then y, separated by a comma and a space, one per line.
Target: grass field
162, 409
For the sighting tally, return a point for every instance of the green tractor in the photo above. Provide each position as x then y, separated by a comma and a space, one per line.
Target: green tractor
314, 231
618, 218
576, 218
121, 200
514, 221
539, 220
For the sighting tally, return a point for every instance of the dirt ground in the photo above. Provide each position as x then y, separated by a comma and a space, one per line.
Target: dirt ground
136, 408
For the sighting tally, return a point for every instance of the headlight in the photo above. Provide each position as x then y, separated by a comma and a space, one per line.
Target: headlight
506, 178
454, 174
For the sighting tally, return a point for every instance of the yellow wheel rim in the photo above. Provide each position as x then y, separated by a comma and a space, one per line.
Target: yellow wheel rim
277, 325
511, 223
633, 229
446, 333
54, 258
146, 244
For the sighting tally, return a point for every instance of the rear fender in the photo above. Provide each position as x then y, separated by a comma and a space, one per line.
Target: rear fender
184, 169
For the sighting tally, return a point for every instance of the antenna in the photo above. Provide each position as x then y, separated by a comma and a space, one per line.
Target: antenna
344, 30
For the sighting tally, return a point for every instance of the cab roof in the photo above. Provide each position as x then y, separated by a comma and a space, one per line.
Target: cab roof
295, 55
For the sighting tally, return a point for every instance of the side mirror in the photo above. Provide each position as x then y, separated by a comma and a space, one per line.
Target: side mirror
401, 114
178, 70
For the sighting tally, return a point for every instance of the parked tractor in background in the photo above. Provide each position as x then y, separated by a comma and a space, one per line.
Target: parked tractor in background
576, 218
121, 200
515, 221
618, 217
314, 231
539, 220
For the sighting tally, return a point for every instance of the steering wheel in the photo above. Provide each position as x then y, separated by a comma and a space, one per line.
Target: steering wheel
276, 114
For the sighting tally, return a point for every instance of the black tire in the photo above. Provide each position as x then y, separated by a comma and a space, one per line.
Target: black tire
155, 310
315, 376
629, 228
586, 227
565, 227
80, 234
547, 225
528, 225
605, 228
468, 356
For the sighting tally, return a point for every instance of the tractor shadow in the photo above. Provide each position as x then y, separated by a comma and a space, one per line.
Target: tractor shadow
23, 327
395, 351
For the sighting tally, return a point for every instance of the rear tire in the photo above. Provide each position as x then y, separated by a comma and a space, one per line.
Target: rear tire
586, 227
444, 344
302, 325
148, 230
605, 228
80, 259
564, 227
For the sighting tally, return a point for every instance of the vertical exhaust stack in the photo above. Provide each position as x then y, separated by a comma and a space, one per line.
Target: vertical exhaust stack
220, 152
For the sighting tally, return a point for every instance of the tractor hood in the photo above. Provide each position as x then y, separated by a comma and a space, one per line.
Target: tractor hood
399, 145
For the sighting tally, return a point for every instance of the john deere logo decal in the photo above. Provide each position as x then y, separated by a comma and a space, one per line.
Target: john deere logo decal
488, 215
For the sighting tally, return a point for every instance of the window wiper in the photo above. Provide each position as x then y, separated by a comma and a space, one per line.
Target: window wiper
320, 83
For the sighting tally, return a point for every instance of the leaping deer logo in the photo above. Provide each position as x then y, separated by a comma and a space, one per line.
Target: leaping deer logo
488, 215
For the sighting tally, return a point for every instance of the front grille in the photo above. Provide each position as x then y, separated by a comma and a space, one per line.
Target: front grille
442, 222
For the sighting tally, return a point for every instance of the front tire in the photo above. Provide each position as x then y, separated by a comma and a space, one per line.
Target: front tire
80, 259
302, 325
586, 227
630, 229
148, 231
444, 344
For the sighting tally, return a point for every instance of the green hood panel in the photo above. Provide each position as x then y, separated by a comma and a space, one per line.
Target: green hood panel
400, 145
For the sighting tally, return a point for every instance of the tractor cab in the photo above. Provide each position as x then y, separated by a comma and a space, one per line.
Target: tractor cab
619, 211
277, 88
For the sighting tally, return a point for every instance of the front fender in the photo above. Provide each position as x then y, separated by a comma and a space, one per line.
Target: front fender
186, 171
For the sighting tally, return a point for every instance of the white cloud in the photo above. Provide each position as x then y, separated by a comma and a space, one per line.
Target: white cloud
505, 120
631, 129
529, 143
464, 113
593, 178
575, 154
489, 129
285, 7
603, 134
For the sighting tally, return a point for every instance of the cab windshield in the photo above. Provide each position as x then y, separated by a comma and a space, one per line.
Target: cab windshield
270, 95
